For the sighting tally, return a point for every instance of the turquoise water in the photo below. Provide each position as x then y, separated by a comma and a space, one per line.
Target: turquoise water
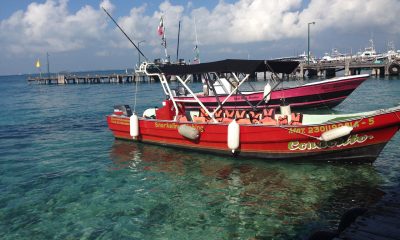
63, 176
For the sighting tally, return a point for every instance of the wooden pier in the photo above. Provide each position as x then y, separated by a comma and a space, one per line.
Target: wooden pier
320, 69
350, 67
88, 79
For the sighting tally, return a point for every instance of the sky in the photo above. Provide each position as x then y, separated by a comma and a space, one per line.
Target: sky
79, 36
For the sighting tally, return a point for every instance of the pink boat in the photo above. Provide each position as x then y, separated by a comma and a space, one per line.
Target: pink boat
322, 94
220, 86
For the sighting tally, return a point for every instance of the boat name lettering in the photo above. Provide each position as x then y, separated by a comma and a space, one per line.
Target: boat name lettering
119, 121
341, 142
175, 126
324, 128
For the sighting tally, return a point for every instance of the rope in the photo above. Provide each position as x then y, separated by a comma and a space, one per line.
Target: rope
136, 88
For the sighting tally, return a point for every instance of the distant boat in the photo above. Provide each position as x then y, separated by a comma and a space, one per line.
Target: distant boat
302, 58
369, 53
391, 54
334, 56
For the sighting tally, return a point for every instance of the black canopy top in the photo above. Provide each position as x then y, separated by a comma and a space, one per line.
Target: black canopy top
229, 65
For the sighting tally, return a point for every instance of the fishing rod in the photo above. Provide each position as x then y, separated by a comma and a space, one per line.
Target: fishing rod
125, 34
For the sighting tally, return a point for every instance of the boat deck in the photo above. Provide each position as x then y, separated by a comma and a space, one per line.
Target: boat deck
380, 222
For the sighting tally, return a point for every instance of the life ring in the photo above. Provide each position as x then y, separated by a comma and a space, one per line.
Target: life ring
394, 69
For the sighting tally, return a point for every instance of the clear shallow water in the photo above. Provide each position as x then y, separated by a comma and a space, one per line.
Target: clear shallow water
63, 176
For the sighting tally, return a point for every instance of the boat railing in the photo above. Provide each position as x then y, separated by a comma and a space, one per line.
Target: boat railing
168, 91
233, 91
239, 80
185, 100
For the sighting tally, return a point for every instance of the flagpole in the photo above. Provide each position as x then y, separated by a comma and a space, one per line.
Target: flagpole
161, 32
165, 45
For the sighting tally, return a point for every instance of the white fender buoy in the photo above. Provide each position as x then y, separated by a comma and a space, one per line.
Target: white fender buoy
267, 90
335, 133
134, 125
188, 132
233, 135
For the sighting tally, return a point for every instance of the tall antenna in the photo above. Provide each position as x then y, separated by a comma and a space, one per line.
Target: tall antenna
48, 65
177, 47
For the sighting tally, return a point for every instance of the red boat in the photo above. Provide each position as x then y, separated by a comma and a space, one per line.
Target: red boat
358, 137
219, 87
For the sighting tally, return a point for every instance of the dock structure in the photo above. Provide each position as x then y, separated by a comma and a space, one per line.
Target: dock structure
350, 67
379, 222
61, 79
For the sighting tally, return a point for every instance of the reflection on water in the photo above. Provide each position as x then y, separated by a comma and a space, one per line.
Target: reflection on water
203, 195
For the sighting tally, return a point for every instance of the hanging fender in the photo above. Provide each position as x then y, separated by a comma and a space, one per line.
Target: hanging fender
233, 136
335, 133
267, 92
188, 132
134, 125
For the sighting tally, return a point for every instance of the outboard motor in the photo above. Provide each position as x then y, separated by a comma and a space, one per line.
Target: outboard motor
124, 110
181, 91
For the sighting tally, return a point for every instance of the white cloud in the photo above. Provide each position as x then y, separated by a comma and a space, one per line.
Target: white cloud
107, 5
247, 21
350, 15
50, 27
260, 20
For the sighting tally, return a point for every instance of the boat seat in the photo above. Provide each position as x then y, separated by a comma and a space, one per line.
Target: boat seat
243, 121
240, 114
227, 120
197, 119
296, 119
219, 115
203, 113
181, 118
268, 117
242, 117
283, 120
255, 117
229, 113
269, 112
